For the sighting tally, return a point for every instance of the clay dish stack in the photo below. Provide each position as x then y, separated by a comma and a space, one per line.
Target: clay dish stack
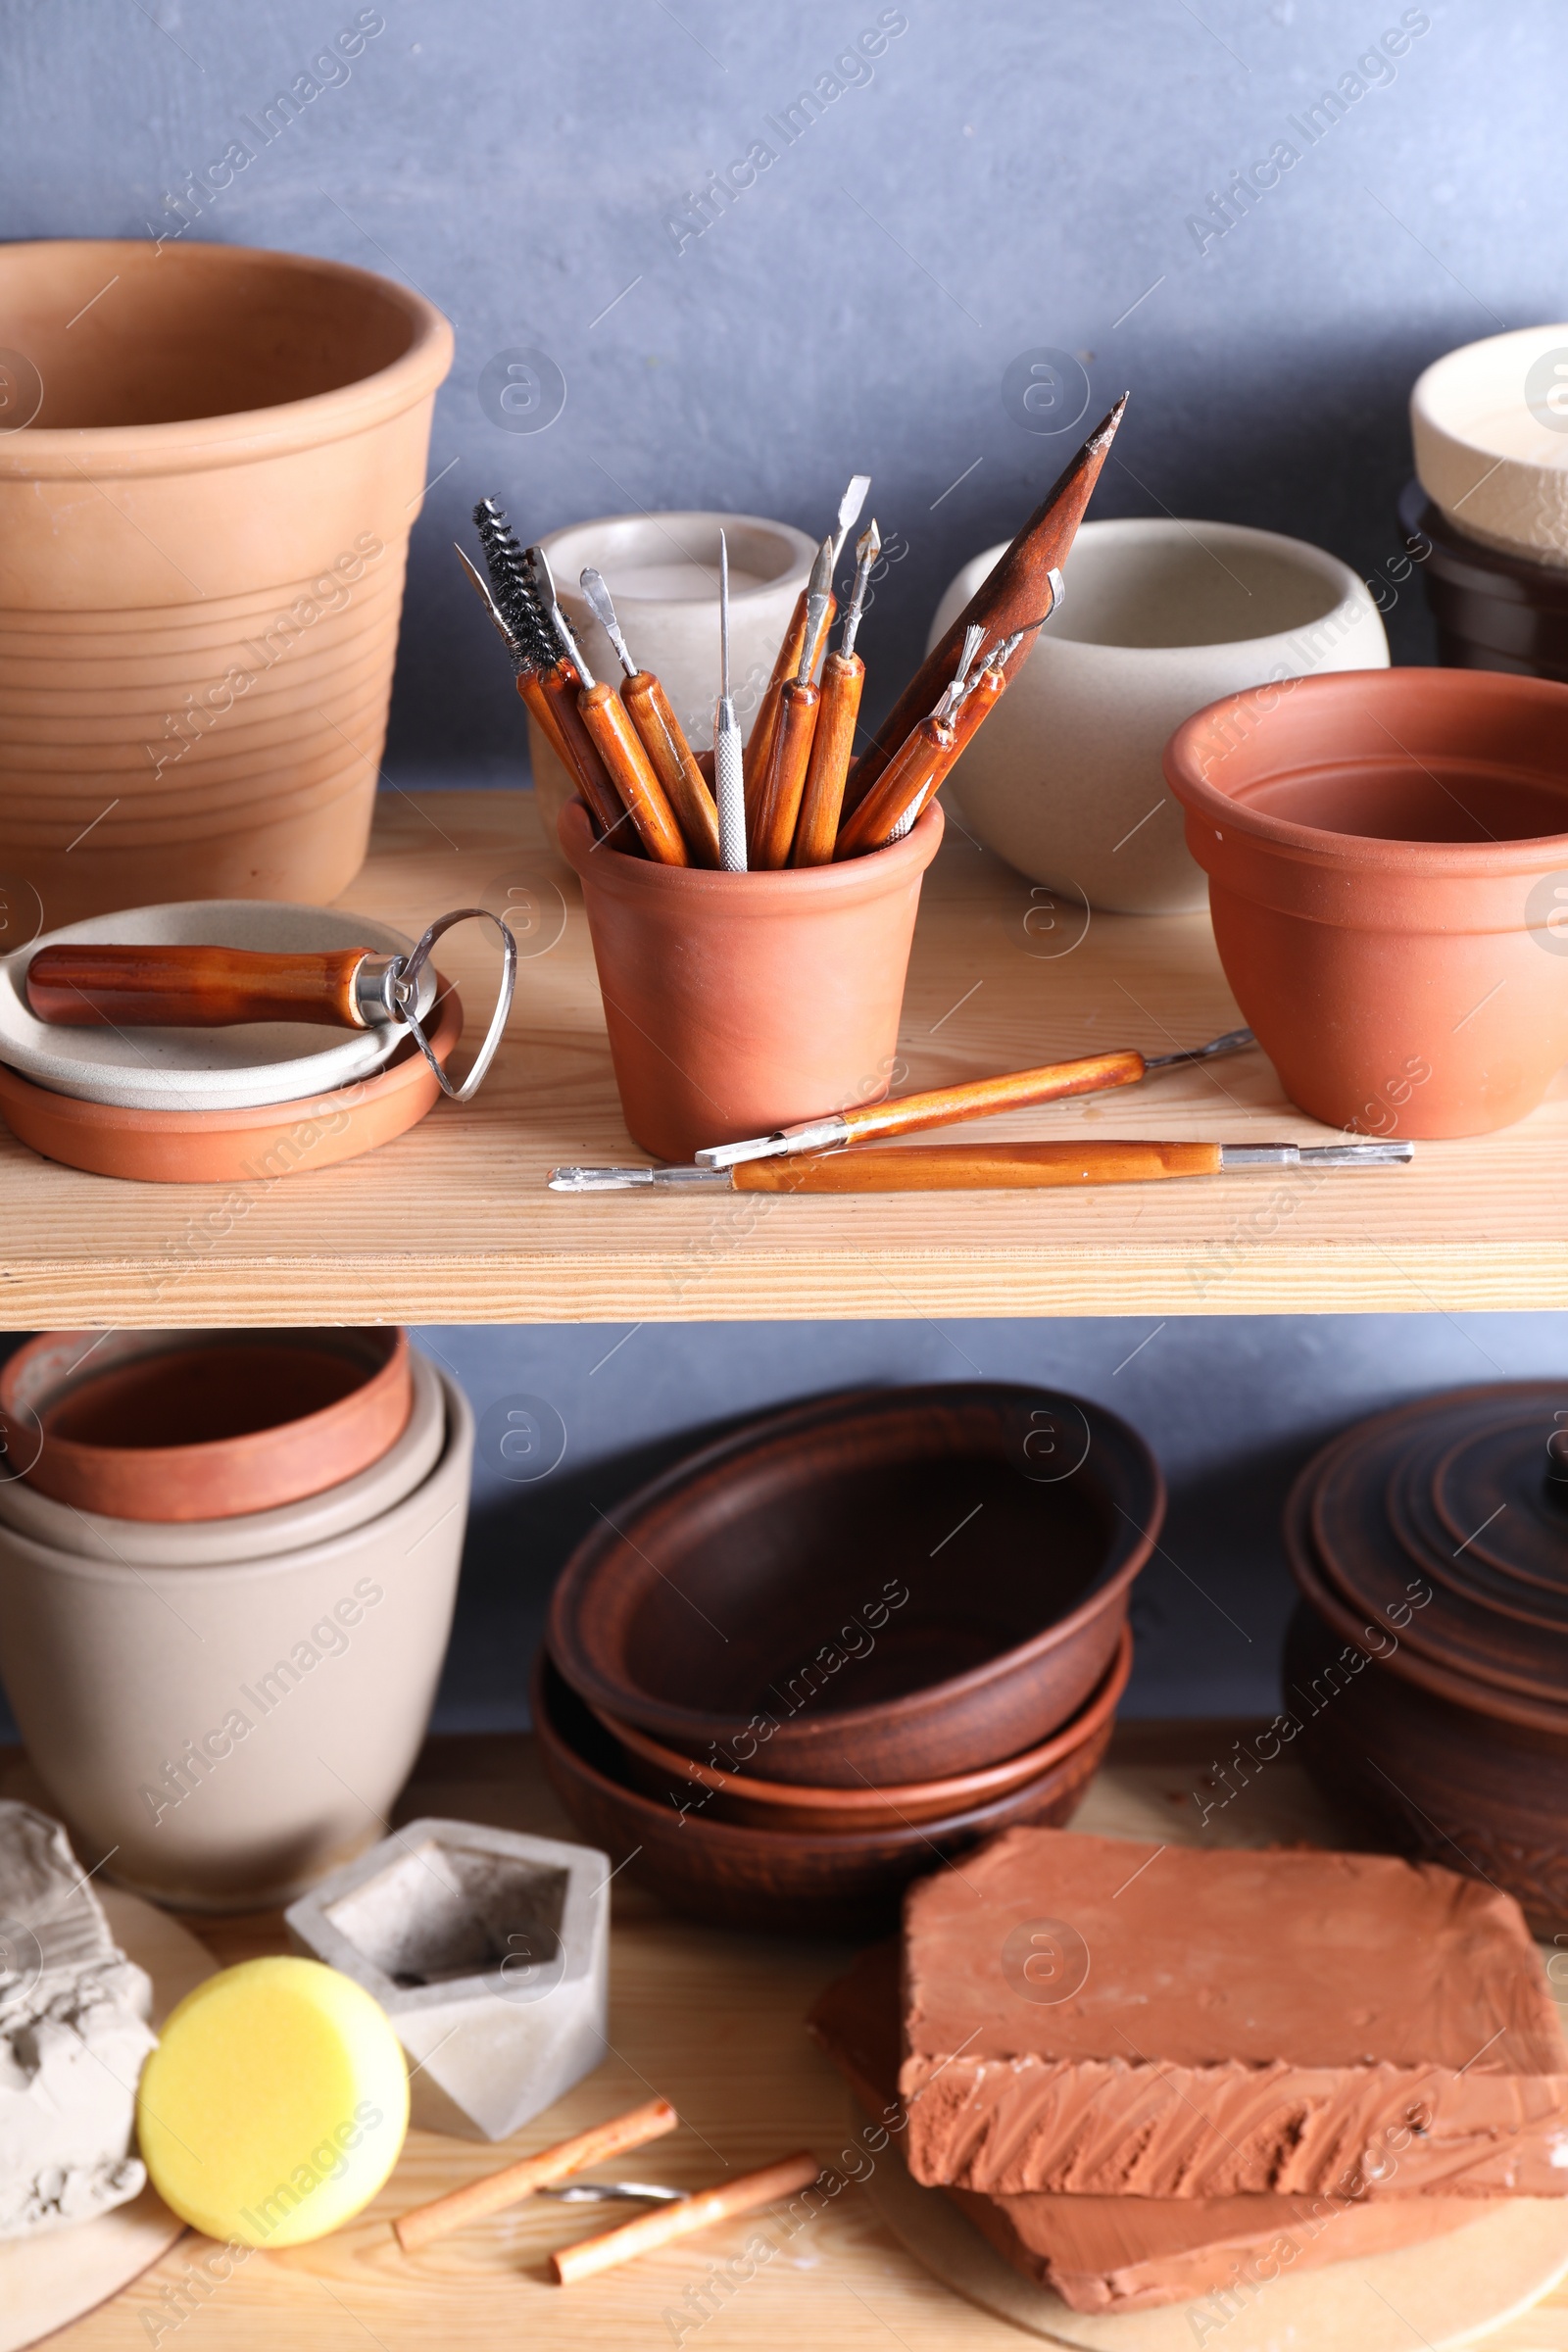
1428, 1662
847, 1643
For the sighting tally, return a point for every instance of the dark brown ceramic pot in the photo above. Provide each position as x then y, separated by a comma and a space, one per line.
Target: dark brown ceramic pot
1494, 611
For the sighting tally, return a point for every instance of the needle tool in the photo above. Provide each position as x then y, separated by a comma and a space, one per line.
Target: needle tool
729, 780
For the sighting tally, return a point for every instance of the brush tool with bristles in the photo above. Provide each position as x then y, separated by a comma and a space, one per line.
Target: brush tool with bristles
662, 737
547, 682
843, 677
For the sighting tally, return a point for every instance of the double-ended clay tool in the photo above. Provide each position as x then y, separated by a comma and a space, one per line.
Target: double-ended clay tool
662, 734
797, 637
533, 2175
729, 765
983, 1167
833, 743
776, 787
88, 985
946, 1106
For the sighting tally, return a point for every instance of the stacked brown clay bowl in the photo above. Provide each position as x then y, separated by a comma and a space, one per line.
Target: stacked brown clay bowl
1428, 1663
845, 1644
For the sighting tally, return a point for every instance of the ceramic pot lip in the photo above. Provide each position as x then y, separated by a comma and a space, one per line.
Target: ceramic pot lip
739, 1839
242, 435
1128, 1553
787, 891
802, 551
1508, 576
456, 1451
843, 1804
1316, 845
1439, 395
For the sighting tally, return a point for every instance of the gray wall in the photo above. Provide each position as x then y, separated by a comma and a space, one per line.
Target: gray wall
1004, 177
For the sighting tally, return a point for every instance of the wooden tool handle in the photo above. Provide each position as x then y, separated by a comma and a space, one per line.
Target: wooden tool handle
701, 2212
976, 1167
892, 798
620, 747
559, 690
471, 2203
905, 782
675, 763
944, 1105
816, 828
89, 986
759, 744
771, 816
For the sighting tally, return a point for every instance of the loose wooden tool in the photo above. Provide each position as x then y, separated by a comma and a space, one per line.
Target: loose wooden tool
662, 734
614, 737
1017, 595
84, 986
983, 1167
947, 1106
478, 2198
704, 2210
907, 785
833, 743
800, 638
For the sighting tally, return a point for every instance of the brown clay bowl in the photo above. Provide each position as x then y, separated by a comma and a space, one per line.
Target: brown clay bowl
780, 1880
661, 1773
180, 1425
875, 1588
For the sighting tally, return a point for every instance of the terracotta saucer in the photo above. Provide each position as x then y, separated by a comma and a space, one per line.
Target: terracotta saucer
235, 1146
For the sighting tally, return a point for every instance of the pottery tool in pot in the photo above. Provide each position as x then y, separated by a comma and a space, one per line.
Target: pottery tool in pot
546, 680
773, 798
984, 1167
703, 2211
662, 735
921, 765
796, 638
532, 2175
87, 984
614, 737
729, 770
1019, 594
833, 743
947, 1106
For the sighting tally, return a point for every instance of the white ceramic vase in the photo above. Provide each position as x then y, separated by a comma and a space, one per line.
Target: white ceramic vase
228, 1730
1159, 618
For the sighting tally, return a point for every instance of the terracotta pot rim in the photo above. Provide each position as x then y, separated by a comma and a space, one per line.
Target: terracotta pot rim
1108, 1592
1316, 845
243, 435
777, 890
843, 1803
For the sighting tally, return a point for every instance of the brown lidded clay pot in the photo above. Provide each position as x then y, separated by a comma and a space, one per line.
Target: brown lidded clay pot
163, 1425
1387, 855
741, 1002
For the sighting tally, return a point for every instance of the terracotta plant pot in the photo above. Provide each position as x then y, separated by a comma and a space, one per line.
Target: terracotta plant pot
1490, 424
1495, 609
1388, 873
177, 1425
741, 1002
1161, 616
195, 655
234, 1730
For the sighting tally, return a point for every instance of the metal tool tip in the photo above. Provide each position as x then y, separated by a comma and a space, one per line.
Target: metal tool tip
852, 501
869, 546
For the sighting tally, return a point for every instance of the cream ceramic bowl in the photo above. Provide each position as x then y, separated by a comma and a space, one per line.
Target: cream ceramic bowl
1159, 618
1490, 424
229, 1733
253, 1063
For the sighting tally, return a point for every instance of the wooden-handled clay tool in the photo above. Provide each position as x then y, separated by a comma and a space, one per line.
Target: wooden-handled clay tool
774, 803
947, 1106
832, 744
729, 765
662, 736
614, 737
90, 984
983, 1167
816, 608
704, 2210
514, 2181
786, 663
1018, 594
918, 771
546, 680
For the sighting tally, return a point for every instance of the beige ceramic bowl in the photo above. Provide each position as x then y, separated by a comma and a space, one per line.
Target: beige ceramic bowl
1490, 424
231, 1733
1159, 618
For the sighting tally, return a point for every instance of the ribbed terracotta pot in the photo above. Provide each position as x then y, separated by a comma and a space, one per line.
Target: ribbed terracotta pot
202, 531
741, 1002
1388, 874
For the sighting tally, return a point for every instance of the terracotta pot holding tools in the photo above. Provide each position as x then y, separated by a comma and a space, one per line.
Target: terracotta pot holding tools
204, 519
1490, 424
176, 1425
741, 1002
1495, 608
1388, 873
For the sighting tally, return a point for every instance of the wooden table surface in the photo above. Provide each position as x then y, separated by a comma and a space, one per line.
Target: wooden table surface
453, 1222
713, 2019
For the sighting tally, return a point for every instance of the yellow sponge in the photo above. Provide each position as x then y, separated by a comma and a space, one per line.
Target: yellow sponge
275, 2104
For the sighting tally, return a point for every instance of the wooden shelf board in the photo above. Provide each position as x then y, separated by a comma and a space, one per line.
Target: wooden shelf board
453, 1223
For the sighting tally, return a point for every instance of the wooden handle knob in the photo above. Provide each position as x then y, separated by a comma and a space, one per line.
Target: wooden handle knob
84, 986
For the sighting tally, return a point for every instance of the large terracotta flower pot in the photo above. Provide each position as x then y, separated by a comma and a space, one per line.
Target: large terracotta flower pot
203, 530
741, 1002
1388, 872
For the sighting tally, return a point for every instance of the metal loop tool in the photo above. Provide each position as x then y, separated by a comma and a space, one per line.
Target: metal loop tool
390, 991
